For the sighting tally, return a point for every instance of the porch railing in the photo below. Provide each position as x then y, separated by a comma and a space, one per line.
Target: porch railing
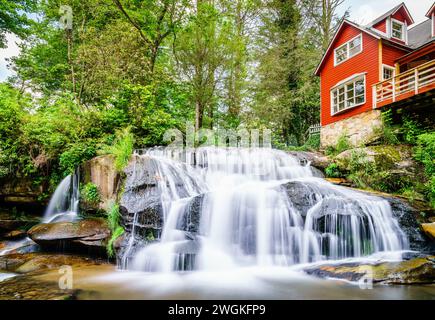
404, 85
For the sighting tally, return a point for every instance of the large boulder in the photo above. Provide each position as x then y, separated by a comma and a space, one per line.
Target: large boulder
316, 159
420, 270
88, 235
101, 172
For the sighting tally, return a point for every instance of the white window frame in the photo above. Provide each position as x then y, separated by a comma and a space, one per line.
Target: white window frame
432, 24
403, 30
343, 84
386, 66
347, 45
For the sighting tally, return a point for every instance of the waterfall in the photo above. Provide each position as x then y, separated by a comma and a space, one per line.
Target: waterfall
229, 207
64, 203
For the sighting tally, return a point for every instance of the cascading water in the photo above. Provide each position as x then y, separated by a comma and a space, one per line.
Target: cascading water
229, 207
64, 204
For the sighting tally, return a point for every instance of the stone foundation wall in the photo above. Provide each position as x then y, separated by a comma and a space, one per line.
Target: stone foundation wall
359, 129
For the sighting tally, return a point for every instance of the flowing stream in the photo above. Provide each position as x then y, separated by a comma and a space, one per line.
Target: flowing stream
225, 208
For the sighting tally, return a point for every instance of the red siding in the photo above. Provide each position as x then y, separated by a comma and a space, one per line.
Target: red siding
366, 61
399, 16
381, 26
391, 54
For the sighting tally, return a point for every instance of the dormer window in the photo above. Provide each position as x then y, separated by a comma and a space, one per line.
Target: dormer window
348, 50
397, 30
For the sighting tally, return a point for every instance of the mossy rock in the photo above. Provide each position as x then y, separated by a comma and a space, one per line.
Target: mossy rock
419, 270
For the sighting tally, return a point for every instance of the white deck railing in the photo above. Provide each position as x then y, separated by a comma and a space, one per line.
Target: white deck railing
410, 82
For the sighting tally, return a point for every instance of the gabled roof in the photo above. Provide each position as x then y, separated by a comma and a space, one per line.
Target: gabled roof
429, 13
409, 18
343, 22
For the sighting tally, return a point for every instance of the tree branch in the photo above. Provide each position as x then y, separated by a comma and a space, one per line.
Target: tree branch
134, 24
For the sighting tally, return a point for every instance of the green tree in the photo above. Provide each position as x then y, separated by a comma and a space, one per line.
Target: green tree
14, 19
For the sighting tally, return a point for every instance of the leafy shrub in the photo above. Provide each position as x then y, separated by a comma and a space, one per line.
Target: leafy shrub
411, 130
332, 171
343, 144
90, 194
387, 132
425, 153
122, 148
313, 142
75, 154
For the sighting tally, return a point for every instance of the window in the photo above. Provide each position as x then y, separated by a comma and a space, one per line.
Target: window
387, 72
348, 50
348, 95
398, 30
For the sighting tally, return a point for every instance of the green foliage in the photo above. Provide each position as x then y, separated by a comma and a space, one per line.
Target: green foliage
313, 142
333, 171
113, 219
386, 132
375, 174
410, 130
425, 153
90, 194
343, 144
121, 149
13, 17
115, 235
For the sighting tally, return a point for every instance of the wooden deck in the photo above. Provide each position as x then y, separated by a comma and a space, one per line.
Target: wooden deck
406, 85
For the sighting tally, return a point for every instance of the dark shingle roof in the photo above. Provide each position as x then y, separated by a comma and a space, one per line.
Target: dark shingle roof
420, 34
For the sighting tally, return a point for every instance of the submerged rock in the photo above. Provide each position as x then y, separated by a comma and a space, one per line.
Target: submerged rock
89, 235
415, 271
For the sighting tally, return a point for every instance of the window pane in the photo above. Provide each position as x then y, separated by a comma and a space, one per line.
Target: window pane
359, 99
388, 73
355, 46
397, 31
341, 54
359, 87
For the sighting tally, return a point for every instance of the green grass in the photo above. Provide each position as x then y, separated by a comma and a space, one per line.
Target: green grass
113, 219
121, 149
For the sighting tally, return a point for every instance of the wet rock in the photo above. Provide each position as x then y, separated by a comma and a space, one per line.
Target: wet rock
406, 217
429, 229
10, 222
191, 219
316, 159
416, 271
88, 235
24, 245
301, 196
19, 191
16, 234
31, 262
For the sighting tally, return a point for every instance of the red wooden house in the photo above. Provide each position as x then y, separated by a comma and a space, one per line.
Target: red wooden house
366, 69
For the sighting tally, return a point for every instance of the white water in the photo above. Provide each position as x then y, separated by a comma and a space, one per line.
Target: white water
64, 203
248, 220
